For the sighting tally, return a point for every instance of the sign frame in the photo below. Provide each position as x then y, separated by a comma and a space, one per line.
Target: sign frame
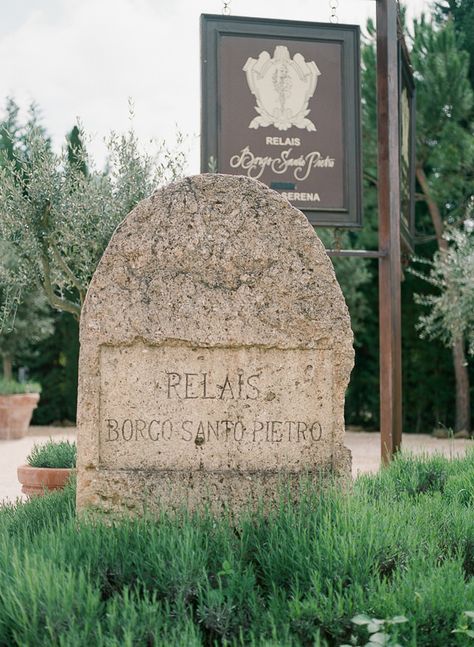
214, 27
406, 82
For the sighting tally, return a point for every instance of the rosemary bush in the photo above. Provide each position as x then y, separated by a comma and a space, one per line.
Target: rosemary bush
12, 387
53, 454
395, 556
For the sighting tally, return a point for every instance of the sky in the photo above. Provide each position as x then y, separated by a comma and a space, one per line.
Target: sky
86, 58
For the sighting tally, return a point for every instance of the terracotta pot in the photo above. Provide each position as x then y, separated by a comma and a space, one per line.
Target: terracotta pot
15, 414
38, 480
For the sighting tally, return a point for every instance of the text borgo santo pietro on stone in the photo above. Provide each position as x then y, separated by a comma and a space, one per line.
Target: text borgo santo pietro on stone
192, 386
257, 431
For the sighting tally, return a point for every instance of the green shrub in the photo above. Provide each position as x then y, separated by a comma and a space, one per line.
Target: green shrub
410, 475
53, 454
12, 387
23, 521
297, 577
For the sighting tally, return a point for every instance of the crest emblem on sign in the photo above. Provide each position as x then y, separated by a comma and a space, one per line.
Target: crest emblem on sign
283, 87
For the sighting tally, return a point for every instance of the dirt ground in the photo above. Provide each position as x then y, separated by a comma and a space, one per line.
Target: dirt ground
365, 447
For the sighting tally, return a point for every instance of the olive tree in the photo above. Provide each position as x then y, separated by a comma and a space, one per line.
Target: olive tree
32, 322
58, 213
450, 310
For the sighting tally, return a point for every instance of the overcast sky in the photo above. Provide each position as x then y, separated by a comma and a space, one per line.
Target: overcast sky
85, 58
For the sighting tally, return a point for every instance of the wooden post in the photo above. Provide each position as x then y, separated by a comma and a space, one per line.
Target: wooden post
389, 229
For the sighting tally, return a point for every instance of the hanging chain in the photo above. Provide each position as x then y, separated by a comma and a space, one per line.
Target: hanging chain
333, 5
226, 7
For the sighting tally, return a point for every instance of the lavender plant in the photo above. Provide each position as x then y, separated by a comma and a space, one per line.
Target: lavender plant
60, 454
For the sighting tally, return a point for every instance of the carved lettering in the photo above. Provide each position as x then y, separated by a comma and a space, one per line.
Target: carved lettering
200, 432
257, 431
150, 433
194, 386
189, 386
302, 427
140, 426
214, 427
127, 430
241, 383
256, 390
289, 423
316, 431
112, 427
239, 431
205, 396
226, 385
277, 435
185, 427
173, 381
167, 429
227, 428
257, 428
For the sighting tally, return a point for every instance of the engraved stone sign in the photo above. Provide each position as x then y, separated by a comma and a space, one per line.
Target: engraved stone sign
215, 353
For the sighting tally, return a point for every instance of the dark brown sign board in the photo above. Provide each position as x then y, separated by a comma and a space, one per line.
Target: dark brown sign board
281, 104
407, 120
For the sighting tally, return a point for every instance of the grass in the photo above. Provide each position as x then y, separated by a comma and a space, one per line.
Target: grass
393, 558
53, 454
12, 387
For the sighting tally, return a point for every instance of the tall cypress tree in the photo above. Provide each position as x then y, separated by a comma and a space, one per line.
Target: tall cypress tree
57, 363
10, 130
76, 153
461, 12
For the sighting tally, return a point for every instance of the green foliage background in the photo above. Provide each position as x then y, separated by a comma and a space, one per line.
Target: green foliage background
53, 360
445, 150
55, 367
445, 118
58, 212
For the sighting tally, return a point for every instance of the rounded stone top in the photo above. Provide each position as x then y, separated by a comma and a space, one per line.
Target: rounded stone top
217, 260
216, 349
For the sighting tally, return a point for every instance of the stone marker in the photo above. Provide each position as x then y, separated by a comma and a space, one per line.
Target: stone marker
216, 349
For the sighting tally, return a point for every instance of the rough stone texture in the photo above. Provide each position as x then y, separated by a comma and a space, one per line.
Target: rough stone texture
216, 349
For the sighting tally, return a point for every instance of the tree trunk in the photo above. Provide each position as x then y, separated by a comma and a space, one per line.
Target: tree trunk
463, 405
463, 409
7, 367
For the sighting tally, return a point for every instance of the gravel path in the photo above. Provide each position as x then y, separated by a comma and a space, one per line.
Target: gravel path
365, 449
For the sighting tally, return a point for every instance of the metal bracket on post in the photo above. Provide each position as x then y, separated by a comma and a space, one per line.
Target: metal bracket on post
389, 230
357, 253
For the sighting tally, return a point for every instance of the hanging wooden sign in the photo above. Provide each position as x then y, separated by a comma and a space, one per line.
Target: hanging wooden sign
281, 104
